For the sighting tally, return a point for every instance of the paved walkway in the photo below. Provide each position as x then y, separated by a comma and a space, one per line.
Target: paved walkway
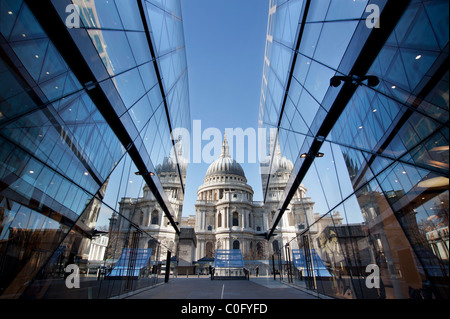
205, 288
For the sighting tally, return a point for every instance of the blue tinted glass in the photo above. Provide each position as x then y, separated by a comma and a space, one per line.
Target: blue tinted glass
417, 63
383, 60
54, 88
8, 84
438, 14
167, 69
301, 69
130, 86
99, 14
130, 15
318, 10
148, 75
335, 38
307, 107
421, 34
141, 112
53, 64
26, 26
139, 46
9, 10
402, 27
346, 9
396, 73
32, 54
318, 80
156, 17
310, 36
155, 97
114, 49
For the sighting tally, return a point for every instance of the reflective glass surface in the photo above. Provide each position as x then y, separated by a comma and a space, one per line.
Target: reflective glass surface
379, 181
69, 193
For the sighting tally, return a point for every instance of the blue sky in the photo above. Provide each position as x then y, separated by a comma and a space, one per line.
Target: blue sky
225, 45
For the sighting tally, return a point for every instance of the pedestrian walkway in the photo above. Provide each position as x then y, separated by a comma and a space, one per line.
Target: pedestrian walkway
205, 288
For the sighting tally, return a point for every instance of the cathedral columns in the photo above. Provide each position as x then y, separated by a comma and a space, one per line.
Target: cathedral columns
146, 217
224, 218
227, 217
222, 215
197, 221
216, 220
203, 220
247, 218
201, 249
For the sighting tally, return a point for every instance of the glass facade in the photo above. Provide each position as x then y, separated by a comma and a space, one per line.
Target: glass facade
375, 159
86, 115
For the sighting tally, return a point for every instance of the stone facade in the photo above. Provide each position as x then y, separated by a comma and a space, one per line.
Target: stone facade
226, 217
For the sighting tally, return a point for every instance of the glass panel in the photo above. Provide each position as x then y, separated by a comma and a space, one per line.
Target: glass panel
346, 9
307, 107
101, 14
9, 9
32, 54
70, 197
26, 27
318, 80
310, 37
139, 46
326, 171
114, 49
437, 13
318, 10
141, 112
129, 15
335, 37
53, 64
417, 63
127, 80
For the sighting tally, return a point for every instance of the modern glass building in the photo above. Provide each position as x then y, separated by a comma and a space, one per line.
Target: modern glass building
373, 153
89, 94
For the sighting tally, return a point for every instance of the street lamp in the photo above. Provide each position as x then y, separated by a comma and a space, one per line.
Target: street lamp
305, 155
144, 174
372, 80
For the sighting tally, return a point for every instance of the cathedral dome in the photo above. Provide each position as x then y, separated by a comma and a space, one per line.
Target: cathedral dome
225, 165
277, 163
169, 164
282, 164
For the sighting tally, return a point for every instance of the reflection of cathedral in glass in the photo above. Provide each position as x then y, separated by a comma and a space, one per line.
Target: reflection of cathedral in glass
147, 213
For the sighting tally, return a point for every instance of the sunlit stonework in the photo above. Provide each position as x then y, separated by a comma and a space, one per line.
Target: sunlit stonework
226, 217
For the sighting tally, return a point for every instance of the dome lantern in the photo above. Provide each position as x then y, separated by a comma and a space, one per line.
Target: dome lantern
225, 165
